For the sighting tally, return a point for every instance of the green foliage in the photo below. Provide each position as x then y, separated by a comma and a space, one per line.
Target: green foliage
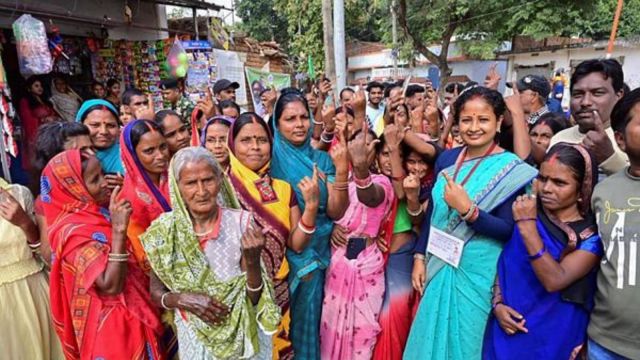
262, 22
597, 23
304, 28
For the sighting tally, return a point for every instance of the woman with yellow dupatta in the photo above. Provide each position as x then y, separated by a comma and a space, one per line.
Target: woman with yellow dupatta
274, 207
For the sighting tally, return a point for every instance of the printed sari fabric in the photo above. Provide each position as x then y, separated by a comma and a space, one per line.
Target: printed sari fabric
147, 200
354, 289
453, 312
307, 269
400, 299
176, 257
270, 201
87, 322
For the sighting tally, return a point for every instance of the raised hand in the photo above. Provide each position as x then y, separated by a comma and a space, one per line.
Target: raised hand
361, 150
310, 189
148, 112
509, 320
359, 103
492, 79
416, 116
207, 105
252, 244
114, 180
525, 206
393, 135
12, 211
340, 156
204, 306
514, 105
411, 186
120, 211
328, 118
324, 87
597, 141
456, 196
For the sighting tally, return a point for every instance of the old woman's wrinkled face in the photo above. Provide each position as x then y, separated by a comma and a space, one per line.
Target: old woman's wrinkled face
199, 186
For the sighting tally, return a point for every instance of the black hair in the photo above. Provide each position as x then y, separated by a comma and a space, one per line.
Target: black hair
380, 144
492, 97
287, 96
374, 84
569, 156
621, 113
51, 138
129, 94
406, 150
162, 114
391, 86
96, 83
224, 104
31, 98
348, 110
452, 87
99, 107
626, 88
609, 68
556, 122
140, 128
250, 118
413, 89
112, 82
347, 89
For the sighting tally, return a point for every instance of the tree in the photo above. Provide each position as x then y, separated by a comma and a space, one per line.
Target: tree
597, 24
262, 22
479, 26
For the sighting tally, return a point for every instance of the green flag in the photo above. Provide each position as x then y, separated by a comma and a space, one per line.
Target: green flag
311, 71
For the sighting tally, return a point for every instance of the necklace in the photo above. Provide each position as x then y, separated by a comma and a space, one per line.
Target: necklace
203, 234
463, 154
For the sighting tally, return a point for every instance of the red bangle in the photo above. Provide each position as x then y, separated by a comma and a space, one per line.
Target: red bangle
309, 227
398, 178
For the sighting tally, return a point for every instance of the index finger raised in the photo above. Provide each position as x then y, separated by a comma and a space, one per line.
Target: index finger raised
115, 193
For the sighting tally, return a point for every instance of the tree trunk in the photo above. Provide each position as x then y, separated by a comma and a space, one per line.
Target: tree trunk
327, 27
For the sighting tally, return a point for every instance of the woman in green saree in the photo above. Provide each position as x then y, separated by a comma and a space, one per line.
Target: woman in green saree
206, 265
470, 211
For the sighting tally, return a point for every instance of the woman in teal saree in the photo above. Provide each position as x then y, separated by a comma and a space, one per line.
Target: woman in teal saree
471, 200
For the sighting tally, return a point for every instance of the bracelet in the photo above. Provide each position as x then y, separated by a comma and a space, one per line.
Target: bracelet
117, 260
494, 305
305, 225
119, 256
34, 246
415, 213
474, 216
466, 216
418, 256
304, 229
398, 178
326, 139
525, 219
341, 185
318, 122
164, 306
250, 289
539, 254
363, 184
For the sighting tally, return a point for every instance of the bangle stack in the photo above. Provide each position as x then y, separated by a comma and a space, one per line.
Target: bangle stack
341, 185
118, 257
471, 214
327, 137
250, 289
365, 183
319, 123
309, 230
34, 246
164, 306
418, 256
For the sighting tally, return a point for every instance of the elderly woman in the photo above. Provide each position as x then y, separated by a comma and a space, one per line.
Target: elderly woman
206, 266
65, 101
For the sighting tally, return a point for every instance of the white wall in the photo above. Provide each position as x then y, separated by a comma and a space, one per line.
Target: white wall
147, 14
563, 59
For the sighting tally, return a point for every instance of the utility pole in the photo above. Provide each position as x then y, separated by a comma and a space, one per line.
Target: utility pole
394, 35
327, 27
338, 44
614, 28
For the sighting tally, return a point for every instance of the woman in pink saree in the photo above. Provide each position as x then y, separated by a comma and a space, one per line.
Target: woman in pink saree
355, 284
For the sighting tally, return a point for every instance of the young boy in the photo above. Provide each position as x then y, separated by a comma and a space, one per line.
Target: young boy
614, 329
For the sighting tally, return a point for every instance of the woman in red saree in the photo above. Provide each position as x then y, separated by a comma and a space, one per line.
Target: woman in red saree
100, 298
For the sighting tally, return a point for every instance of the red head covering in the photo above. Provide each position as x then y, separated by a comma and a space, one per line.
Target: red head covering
80, 235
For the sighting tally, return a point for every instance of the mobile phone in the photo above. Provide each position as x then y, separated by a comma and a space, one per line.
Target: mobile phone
355, 246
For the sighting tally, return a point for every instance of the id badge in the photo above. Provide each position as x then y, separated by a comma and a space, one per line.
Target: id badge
446, 247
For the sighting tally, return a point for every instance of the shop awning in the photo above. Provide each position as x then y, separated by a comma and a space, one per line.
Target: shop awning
197, 4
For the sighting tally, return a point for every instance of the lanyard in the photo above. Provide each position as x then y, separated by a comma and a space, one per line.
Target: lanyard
463, 154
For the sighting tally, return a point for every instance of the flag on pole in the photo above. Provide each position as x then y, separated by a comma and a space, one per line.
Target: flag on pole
311, 71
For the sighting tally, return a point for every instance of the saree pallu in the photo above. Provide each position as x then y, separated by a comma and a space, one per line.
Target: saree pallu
399, 305
556, 326
274, 220
453, 312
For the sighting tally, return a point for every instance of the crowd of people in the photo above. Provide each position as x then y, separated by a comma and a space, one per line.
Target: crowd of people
379, 222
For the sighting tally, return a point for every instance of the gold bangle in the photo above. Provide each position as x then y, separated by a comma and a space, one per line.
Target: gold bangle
250, 289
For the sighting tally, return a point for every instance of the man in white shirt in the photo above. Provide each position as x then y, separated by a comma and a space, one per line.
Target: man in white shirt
375, 107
